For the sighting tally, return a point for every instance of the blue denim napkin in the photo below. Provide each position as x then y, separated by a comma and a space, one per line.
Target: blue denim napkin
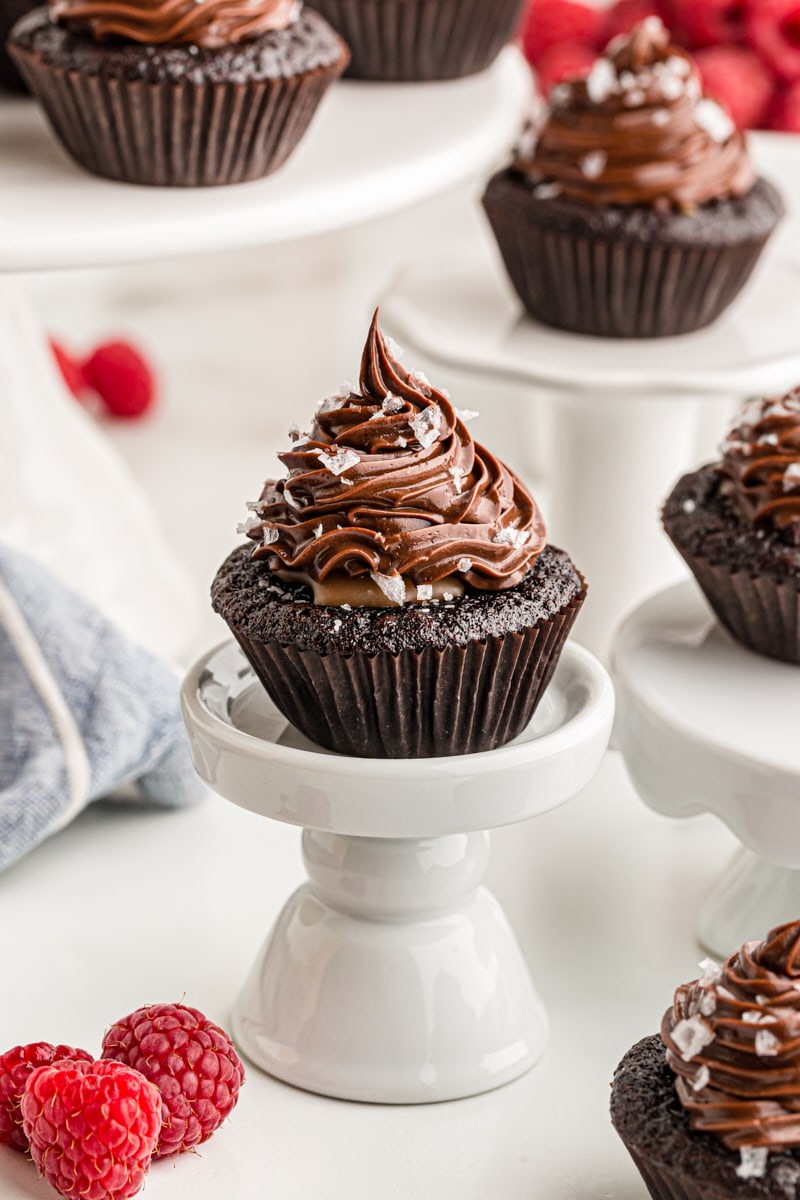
84, 712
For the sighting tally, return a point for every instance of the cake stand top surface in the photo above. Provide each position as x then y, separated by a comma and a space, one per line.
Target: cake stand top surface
707, 725
466, 313
372, 149
244, 747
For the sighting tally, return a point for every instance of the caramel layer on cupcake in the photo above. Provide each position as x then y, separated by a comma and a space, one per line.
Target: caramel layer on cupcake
638, 130
389, 499
209, 23
761, 462
733, 1041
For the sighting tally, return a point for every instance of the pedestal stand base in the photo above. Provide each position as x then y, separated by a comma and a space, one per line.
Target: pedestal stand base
752, 897
405, 994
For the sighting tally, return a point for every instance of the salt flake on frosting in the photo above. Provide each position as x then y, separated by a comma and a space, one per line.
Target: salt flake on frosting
248, 525
269, 534
424, 591
547, 191
467, 414
753, 1162
701, 1078
392, 586
392, 403
753, 1017
791, 477
511, 537
458, 479
594, 163
463, 565
716, 122
427, 425
601, 81
690, 1036
318, 531
340, 459
392, 346
712, 971
766, 1044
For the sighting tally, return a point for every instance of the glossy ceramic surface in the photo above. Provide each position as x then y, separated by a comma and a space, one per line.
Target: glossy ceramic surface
392, 975
708, 726
371, 149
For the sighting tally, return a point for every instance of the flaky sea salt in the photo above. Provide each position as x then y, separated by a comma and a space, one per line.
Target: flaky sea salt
463, 565
546, 191
511, 537
701, 1078
458, 479
447, 596
707, 1004
791, 477
420, 381
754, 1017
716, 122
269, 534
766, 1044
392, 586
392, 403
392, 346
248, 525
318, 531
426, 425
690, 1036
601, 81
467, 414
346, 389
329, 404
291, 500
593, 164
712, 971
337, 624
752, 1162
340, 459
424, 591
634, 98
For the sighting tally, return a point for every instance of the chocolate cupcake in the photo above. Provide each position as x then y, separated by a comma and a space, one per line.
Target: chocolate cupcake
397, 597
710, 1110
635, 210
737, 525
413, 40
181, 93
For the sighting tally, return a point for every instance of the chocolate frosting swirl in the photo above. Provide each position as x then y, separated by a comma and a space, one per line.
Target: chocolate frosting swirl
733, 1041
209, 23
389, 482
761, 462
638, 130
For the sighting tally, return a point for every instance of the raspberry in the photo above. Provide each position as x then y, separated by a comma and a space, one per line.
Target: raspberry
737, 78
623, 15
70, 368
190, 1060
15, 1067
784, 114
92, 1127
773, 30
569, 61
697, 23
551, 22
122, 378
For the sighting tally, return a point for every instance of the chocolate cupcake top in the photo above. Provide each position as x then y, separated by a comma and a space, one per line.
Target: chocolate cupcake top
733, 1041
761, 464
638, 131
209, 23
388, 499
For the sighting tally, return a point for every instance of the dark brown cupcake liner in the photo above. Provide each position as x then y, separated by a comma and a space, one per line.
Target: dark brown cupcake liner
760, 611
663, 1184
415, 40
609, 284
175, 134
416, 703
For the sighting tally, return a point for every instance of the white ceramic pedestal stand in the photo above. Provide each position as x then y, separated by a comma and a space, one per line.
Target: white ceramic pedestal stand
392, 975
707, 726
606, 425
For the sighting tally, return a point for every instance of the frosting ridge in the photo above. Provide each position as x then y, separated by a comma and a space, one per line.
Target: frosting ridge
389, 485
208, 23
761, 463
638, 130
733, 1041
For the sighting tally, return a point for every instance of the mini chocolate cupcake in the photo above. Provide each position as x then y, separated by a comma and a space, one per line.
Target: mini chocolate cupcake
397, 597
413, 40
181, 93
635, 211
737, 524
710, 1110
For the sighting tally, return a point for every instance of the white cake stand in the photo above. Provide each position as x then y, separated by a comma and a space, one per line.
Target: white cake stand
608, 425
392, 975
708, 726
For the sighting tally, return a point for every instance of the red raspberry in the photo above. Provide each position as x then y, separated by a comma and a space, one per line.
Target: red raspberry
623, 15
784, 114
737, 78
15, 1067
70, 368
551, 22
122, 377
92, 1127
696, 23
773, 30
190, 1060
569, 61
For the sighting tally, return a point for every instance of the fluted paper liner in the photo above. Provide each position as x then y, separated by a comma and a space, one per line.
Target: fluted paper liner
416, 703
175, 134
395, 40
760, 611
612, 285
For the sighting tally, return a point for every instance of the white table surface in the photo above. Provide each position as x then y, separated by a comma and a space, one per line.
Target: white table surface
125, 908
